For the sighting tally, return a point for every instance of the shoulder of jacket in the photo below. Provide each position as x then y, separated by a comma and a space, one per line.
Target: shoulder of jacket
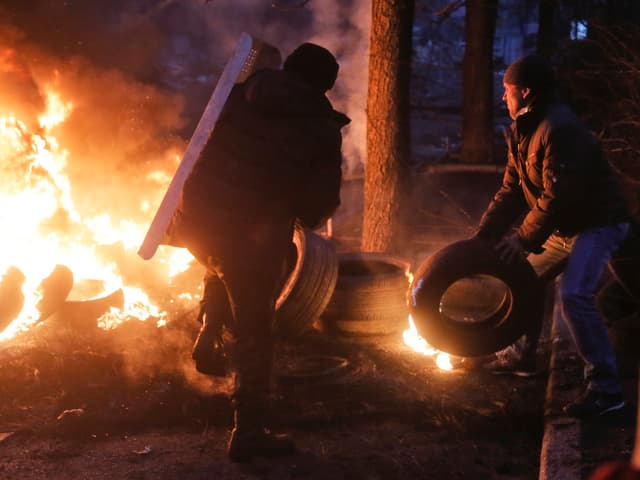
560, 116
558, 121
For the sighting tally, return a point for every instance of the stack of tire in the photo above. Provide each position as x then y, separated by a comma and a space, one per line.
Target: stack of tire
370, 295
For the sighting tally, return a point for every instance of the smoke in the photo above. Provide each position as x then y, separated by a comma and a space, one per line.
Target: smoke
139, 74
339, 25
183, 45
147, 352
136, 75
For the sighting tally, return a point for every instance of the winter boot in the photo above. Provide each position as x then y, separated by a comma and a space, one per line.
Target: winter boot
244, 446
208, 349
249, 440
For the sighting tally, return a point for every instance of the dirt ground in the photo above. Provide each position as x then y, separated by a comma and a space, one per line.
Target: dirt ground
383, 412
83, 403
610, 437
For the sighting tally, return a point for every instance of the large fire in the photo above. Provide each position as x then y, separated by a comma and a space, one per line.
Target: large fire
42, 228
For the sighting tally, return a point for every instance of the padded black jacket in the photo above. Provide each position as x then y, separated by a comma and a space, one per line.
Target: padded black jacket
274, 156
556, 173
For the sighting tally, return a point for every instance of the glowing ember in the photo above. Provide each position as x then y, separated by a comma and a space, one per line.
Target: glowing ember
413, 340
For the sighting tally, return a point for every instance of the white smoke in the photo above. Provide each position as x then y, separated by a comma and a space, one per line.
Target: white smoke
342, 27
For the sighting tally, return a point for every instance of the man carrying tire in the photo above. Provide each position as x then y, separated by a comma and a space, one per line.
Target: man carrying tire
274, 158
574, 221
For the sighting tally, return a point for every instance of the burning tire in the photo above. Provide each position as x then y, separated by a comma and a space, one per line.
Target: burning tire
370, 295
54, 290
11, 296
309, 286
86, 302
467, 302
82, 314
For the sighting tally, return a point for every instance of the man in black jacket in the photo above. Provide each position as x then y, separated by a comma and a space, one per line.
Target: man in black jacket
574, 220
274, 158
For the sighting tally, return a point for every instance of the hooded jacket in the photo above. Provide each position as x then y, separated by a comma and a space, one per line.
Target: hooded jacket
274, 156
556, 173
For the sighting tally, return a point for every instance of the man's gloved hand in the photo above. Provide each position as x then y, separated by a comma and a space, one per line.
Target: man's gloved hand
510, 249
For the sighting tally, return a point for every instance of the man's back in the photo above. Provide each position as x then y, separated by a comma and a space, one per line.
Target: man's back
275, 153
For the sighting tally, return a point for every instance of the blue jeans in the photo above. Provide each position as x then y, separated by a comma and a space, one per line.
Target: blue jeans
583, 260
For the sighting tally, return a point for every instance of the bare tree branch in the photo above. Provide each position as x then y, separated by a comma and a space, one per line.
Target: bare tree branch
448, 10
603, 78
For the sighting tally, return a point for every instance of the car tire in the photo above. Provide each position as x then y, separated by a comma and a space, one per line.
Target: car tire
370, 295
309, 286
523, 300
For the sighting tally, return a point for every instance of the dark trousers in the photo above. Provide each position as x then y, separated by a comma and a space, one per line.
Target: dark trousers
245, 265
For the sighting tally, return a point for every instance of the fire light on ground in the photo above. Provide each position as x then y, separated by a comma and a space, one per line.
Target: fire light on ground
42, 228
413, 340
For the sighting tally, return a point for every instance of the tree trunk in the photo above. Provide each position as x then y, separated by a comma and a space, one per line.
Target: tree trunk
477, 81
386, 187
546, 33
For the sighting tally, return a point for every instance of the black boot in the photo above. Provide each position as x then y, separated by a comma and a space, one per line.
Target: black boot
208, 351
249, 439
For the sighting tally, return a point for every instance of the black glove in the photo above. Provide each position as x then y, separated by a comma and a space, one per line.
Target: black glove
510, 249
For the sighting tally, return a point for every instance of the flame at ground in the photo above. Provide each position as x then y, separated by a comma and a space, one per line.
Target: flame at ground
413, 340
41, 227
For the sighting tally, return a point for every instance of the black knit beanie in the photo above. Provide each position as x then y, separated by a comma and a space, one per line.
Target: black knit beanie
532, 71
315, 64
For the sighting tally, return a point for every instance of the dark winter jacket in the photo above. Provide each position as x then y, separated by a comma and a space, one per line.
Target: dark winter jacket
274, 156
557, 174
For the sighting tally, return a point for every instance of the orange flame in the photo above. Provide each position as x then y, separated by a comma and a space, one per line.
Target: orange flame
413, 340
43, 228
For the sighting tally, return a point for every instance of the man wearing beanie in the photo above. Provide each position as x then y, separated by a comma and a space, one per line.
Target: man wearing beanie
574, 219
273, 159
